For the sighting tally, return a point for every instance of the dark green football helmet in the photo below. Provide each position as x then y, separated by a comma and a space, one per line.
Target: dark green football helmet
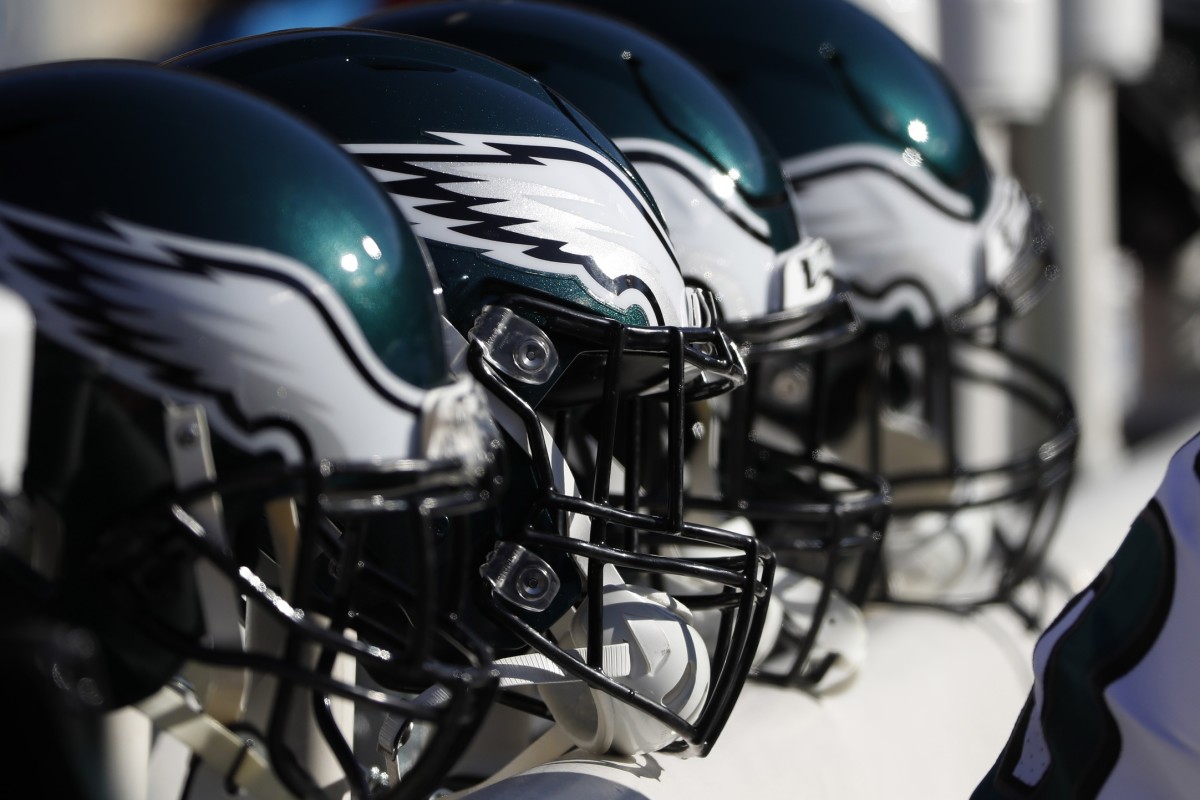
239, 387
567, 299
976, 440
723, 195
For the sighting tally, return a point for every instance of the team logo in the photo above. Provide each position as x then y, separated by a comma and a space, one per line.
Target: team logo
539, 204
255, 336
720, 188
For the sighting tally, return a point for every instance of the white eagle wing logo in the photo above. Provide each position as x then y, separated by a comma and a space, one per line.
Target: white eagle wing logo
262, 340
537, 203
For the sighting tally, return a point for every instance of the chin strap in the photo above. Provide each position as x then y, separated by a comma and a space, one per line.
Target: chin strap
550, 745
529, 669
189, 445
174, 710
840, 646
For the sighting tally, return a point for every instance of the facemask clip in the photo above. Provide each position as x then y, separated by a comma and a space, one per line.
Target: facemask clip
515, 346
520, 577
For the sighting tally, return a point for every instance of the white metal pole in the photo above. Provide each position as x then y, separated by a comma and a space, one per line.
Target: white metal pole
1070, 161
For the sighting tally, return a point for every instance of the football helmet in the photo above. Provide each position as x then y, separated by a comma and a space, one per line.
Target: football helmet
565, 295
976, 440
723, 196
239, 390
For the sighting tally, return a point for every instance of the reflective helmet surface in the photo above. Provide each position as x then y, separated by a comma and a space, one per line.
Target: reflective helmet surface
566, 298
977, 441
239, 386
727, 205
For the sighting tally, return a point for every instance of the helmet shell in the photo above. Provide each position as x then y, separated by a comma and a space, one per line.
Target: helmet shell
535, 199
711, 171
881, 153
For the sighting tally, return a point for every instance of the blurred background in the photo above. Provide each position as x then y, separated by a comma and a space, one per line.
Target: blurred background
1093, 104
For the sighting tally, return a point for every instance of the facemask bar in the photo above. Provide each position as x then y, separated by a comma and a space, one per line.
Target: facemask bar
744, 573
711, 364
1036, 477
845, 511
830, 323
465, 704
322, 492
837, 520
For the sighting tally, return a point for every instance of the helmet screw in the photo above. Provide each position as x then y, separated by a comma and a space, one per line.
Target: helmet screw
531, 355
532, 582
187, 434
